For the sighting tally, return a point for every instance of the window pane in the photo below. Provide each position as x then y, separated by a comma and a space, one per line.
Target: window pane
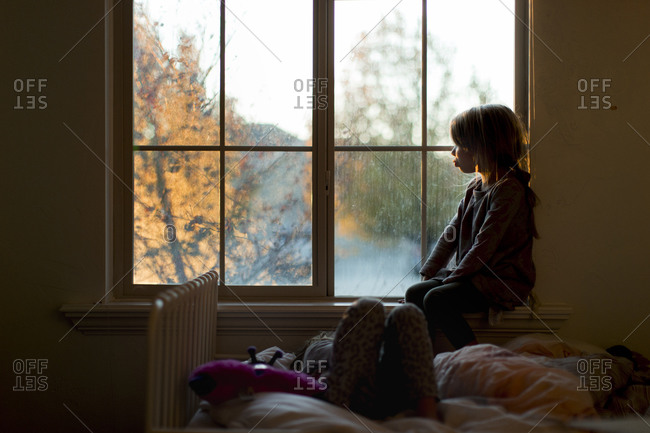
445, 189
378, 69
175, 72
470, 59
176, 214
268, 224
377, 222
269, 71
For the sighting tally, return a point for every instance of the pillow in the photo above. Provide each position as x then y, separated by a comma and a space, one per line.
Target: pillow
513, 381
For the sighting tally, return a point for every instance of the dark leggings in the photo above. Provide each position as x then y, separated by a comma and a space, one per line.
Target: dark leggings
444, 305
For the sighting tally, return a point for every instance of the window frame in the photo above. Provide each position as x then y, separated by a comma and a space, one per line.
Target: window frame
119, 151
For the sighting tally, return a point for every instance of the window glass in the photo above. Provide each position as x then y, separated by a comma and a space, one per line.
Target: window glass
268, 225
377, 222
378, 68
269, 70
175, 73
176, 226
470, 59
236, 169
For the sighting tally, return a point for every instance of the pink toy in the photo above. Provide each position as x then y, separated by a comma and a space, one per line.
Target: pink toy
218, 381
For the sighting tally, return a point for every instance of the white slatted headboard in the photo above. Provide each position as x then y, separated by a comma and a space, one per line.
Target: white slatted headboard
181, 336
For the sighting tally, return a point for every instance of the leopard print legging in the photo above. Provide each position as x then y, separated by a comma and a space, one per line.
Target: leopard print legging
381, 365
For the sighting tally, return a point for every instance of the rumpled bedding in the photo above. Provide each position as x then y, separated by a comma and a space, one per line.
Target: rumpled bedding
305, 414
618, 385
517, 383
533, 382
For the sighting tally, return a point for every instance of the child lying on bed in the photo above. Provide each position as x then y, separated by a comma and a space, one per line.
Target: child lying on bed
379, 366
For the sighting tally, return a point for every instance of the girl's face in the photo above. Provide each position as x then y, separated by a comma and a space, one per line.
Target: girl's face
464, 159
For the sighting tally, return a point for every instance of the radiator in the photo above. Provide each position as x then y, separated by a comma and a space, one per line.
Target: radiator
181, 336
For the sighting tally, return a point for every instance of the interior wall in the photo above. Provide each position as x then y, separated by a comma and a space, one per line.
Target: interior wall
590, 154
589, 171
53, 227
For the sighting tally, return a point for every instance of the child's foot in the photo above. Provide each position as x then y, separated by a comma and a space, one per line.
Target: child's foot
355, 357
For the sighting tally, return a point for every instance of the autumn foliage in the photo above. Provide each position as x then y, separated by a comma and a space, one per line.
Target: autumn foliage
267, 224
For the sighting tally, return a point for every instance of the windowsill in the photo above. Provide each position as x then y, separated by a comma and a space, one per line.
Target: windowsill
116, 318
237, 318
125, 317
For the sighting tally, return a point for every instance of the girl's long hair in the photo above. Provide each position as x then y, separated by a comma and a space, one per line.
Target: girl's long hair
498, 140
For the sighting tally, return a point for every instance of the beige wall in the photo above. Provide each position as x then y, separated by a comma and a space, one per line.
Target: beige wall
52, 227
590, 172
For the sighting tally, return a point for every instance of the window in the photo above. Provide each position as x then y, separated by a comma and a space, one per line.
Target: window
300, 148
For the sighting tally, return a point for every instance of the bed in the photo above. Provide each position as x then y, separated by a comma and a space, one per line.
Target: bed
532, 383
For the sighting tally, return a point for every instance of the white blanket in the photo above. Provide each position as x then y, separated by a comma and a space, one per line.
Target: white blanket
306, 414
